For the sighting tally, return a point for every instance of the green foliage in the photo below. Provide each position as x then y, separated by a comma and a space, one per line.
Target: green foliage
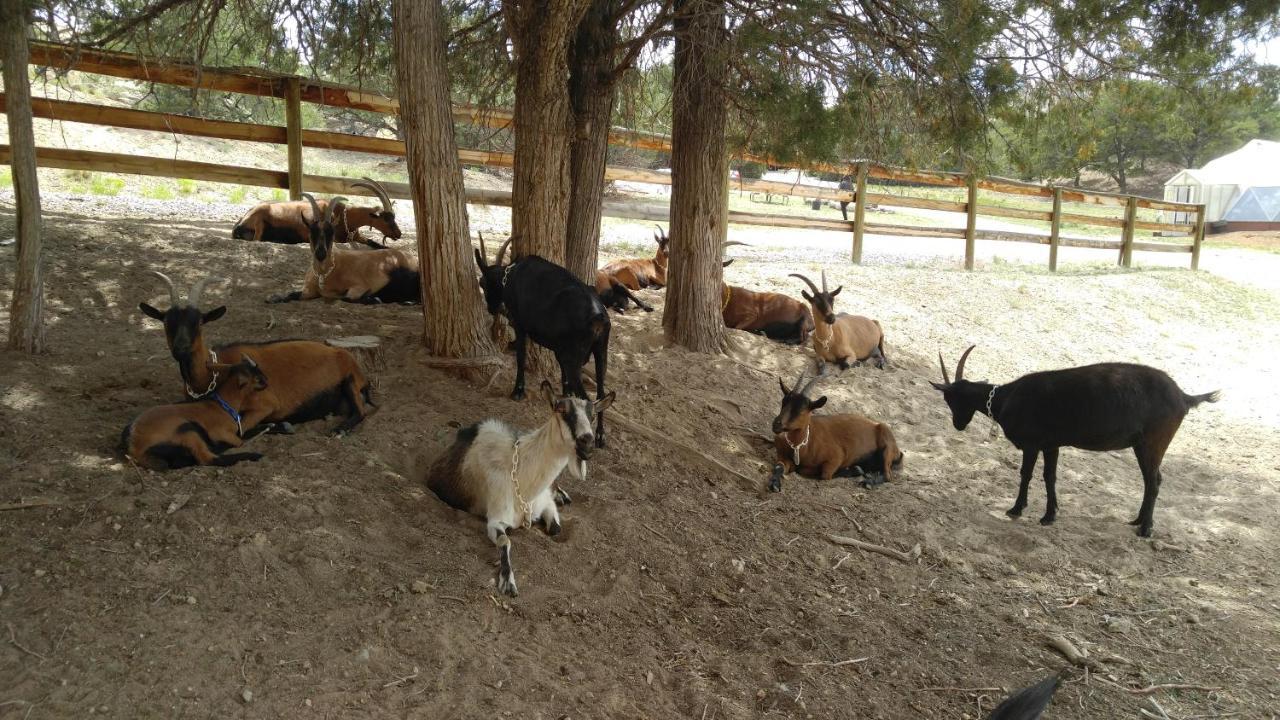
278, 194
749, 170
237, 194
6, 176
187, 187
158, 191
109, 185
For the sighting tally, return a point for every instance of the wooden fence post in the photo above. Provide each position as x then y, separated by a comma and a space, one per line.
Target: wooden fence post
26, 313
293, 133
971, 223
1055, 227
1198, 239
859, 211
1126, 238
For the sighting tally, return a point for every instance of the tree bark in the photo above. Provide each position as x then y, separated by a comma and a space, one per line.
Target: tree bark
592, 93
454, 317
540, 33
26, 314
699, 177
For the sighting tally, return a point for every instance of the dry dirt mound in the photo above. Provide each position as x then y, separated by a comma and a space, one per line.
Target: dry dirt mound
323, 580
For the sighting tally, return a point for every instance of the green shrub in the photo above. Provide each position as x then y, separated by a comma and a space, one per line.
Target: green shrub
278, 194
236, 194
186, 186
751, 170
6, 177
159, 191
106, 185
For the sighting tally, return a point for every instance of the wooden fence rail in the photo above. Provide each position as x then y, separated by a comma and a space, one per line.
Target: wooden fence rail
294, 90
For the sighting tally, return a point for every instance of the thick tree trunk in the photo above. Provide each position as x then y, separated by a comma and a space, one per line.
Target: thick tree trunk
540, 34
26, 314
454, 318
699, 177
592, 92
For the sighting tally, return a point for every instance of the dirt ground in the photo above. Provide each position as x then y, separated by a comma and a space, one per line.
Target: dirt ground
324, 582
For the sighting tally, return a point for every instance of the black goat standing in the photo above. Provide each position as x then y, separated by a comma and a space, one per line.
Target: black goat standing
1108, 406
547, 303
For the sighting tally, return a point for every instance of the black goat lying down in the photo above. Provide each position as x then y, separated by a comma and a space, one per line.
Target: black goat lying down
550, 305
1109, 406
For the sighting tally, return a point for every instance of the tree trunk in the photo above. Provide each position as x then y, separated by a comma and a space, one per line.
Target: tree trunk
592, 92
699, 176
454, 317
26, 315
540, 34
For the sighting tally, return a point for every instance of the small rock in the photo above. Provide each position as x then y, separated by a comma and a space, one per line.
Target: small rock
1118, 624
307, 702
363, 655
191, 599
40, 572
420, 586
738, 565
246, 695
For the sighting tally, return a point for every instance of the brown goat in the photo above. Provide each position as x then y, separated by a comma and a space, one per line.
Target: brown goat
197, 432
774, 315
843, 339
640, 273
824, 445
310, 380
287, 222
361, 276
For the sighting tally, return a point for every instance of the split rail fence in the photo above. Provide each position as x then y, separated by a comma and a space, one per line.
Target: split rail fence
294, 90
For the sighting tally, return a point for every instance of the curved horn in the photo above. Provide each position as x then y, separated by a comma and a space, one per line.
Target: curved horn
315, 210
811, 383
377, 189
731, 243
193, 298
824, 281
942, 364
799, 379
960, 365
483, 252
808, 282
173, 293
328, 212
503, 250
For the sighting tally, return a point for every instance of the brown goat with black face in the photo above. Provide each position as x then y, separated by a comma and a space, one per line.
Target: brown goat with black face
197, 432
640, 273
824, 445
842, 339
310, 380
288, 222
774, 315
363, 276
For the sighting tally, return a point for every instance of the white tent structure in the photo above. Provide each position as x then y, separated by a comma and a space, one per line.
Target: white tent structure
1240, 190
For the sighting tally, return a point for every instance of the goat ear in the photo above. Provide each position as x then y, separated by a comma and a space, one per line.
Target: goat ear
836, 291
783, 386
939, 386
214, 314
479, 259
150, 311
603, 403
818, 403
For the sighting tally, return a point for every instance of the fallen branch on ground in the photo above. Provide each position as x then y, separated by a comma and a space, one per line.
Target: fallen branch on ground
1073, 653
961, 689
1170, 686
906, 557
824, 663
636, 427
13, 638
447, 362
39, 502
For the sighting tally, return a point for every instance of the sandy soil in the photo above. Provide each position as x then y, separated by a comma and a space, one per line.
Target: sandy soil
326, 583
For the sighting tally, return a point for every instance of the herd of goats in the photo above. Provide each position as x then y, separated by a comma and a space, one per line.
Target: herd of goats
508, 476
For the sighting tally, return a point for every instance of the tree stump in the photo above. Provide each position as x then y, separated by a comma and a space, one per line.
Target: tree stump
367, 350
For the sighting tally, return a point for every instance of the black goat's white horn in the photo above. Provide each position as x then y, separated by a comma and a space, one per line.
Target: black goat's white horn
502, 251
960, 365
193, 298
173, 292
943, 365
807, 281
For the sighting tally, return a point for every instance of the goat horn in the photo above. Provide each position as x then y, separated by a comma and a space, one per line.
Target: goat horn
812, 382
193, 298
328, 212
173, 293
731, 243
483, 252
809, 282
824, 281
377, 189
960, 365
799, 380
503, 250
942, 364
315, 209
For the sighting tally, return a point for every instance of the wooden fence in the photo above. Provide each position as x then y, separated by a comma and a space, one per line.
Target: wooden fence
295, 90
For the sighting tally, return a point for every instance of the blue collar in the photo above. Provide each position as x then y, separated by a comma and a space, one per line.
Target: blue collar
230, 411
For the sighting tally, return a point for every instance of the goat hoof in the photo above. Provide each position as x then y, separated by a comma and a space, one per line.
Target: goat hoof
282, 428
517, 394
1014, 512
1144, 531
507, 585
554, 528
1136, 521
561, 497
1048, 519
775, 486
600, 441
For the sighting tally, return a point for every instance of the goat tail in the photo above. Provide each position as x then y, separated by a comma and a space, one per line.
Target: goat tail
599, 324
1194, 400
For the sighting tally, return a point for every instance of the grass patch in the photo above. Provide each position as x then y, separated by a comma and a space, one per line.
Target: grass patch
106, 185
237, 194
159, 191
6, 177
278, 194
187, 186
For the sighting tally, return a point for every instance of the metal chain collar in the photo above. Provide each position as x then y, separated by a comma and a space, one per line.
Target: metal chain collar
826, 344
525, 508
991, 413
320, 276
795, 449
213, 382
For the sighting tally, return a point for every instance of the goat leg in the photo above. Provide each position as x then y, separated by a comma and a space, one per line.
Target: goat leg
233, 458
287, 297
517, 393
562, 498
1028, 467
601, 353
775, 478
1050, 486
506, 580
